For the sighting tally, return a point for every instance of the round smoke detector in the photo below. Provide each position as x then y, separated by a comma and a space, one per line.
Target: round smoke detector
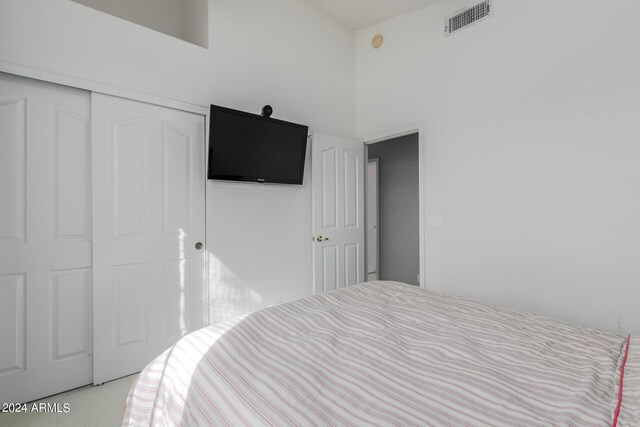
376, 41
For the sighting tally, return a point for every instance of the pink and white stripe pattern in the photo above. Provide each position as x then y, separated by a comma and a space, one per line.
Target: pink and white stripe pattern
389, 354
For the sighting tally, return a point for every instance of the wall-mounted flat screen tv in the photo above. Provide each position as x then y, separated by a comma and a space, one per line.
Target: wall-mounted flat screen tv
250, 147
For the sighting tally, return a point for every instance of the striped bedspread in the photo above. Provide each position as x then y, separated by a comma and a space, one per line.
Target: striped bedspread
388, 354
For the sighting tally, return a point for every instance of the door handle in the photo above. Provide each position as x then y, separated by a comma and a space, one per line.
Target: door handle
320, 239
198, 245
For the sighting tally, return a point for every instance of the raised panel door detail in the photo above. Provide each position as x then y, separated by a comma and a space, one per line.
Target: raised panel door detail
129, 283
129, 179
177, 185
337, 193
177, 280
12, 323
330, 268
12, 169
72, 175
45, 232
351, 196
71, 313
148, 275
329, 188
351, 264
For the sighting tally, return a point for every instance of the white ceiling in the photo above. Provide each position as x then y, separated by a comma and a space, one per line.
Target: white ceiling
358, 14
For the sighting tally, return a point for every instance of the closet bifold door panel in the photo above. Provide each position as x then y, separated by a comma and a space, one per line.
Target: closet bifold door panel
148, 226
45, 239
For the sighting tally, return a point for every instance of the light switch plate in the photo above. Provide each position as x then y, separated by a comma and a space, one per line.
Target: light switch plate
435, 222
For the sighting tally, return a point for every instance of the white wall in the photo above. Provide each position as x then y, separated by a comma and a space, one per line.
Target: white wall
281, 52
196, 22
532, 150
166, 16
184, 19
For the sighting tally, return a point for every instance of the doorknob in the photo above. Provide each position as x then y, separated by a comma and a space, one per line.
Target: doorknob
198, 246
320, 239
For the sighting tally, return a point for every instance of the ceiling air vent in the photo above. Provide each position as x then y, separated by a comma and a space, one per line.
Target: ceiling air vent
465, 17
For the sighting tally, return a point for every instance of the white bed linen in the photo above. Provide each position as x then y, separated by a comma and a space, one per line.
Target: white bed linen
385, 353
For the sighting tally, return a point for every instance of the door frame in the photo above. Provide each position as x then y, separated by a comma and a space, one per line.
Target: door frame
410, 129
375, 160
98, 87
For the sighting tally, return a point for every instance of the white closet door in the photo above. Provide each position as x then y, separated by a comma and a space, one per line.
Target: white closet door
148, 218
45, 239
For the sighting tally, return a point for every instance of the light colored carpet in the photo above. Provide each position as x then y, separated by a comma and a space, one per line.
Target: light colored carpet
90, 406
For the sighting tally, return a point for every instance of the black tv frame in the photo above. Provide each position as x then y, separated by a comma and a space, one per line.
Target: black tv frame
262, 180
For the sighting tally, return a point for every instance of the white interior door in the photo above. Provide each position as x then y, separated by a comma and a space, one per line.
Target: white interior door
149, 216
45, 239
372, 216
338, 212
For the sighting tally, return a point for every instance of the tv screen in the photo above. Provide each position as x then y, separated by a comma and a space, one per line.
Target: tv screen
249, 147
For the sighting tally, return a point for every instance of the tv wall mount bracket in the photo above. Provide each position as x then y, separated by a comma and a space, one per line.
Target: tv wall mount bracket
267, 111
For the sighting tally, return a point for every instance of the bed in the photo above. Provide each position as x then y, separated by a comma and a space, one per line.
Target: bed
390, 354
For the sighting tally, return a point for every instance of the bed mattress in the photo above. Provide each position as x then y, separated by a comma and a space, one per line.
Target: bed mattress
390, 354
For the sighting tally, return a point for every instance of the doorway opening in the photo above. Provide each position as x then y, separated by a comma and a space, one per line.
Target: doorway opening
393, 209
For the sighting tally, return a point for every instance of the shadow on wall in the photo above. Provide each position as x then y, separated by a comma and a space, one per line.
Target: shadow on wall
229, 295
